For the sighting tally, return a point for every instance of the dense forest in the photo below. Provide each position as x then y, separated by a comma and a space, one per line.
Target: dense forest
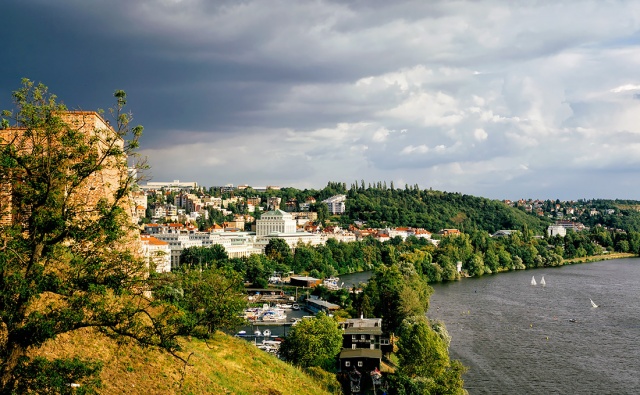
379, 205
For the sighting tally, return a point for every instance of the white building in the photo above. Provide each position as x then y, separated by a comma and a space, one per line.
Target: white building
276, 221
336, 204
157, 252
176, 185
554, 230
177, 242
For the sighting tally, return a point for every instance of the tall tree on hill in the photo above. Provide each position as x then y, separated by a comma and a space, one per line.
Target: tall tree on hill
67, 256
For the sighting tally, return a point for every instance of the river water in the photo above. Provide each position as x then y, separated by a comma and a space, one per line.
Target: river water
516, 338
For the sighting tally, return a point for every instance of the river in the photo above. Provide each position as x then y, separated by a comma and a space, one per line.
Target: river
516, 338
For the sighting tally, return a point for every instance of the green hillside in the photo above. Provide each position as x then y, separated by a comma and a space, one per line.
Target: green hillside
222, 365
380, 205
435, 210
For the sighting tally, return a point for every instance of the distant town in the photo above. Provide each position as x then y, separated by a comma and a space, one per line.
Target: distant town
174, 216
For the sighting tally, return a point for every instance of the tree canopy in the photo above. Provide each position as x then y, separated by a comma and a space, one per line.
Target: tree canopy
313, 342
68, 255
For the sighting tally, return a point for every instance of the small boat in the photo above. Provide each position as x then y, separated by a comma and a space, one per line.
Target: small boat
266, 333
593, 303
332, 283
572, 320
533, 280
542, 282
295, 306
242, 333
257, 333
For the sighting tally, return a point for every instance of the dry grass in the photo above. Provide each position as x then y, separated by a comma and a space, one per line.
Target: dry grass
224, 365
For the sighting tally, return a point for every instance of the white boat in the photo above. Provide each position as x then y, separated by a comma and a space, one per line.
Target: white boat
593, 303
295, 306
542, 282
274, 315
533, 280
242, 333
285, 306
257, 333
266, 333
332, 283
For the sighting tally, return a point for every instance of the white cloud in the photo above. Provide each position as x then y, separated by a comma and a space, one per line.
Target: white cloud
625, 88
410, 149
480, 135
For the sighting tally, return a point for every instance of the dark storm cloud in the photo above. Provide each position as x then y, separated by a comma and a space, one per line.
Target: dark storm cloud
480, 97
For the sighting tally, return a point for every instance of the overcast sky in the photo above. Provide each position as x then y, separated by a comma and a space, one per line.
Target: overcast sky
499, 99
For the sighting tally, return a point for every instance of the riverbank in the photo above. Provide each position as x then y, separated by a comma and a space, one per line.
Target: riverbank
596, 258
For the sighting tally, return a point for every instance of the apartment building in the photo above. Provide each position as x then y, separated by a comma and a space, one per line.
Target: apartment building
336, 204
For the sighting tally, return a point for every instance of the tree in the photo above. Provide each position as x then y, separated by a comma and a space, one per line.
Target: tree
203, 257
67, 241
397, 292
424, 358
210, 299
323, 211
313, 342
278, 250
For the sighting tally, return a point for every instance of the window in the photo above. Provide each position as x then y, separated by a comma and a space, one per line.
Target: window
353, 346
353, 337
347, 363
359, 364
363, 337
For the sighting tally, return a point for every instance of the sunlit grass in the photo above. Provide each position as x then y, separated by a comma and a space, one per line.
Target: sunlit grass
223, 365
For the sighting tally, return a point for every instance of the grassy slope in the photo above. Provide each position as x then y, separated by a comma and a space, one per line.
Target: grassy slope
225, 365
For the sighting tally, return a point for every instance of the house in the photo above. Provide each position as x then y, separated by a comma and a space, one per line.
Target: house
157, 252
449, 232
304, 281
361, 355
316, 305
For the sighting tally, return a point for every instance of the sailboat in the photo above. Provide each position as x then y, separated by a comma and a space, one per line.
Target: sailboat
593, 303
533, 280
542, 282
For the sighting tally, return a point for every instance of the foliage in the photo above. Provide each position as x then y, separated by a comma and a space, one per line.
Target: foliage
210, 299
58, 376
313, 342
278, 249
423, 355
203, 257
394, 293
380, 206
65, 254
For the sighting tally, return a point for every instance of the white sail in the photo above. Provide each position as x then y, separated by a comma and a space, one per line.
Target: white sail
533, 280
593, 304
542, 282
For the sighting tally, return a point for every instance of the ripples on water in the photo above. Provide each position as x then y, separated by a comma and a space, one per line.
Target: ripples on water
518, 339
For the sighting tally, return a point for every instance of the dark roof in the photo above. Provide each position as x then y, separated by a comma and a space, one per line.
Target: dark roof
360, 353
363, 330
363, 325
